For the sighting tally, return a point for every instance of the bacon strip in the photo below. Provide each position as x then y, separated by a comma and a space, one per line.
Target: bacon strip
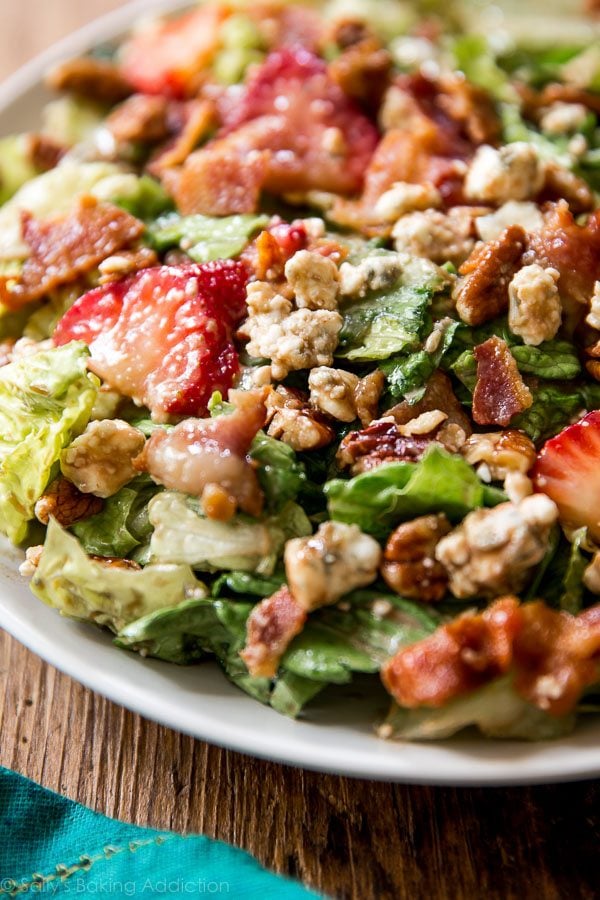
500, 392
63, 249
270, 628
554, 656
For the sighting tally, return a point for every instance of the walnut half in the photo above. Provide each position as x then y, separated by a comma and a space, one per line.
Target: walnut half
65, 503
409, 565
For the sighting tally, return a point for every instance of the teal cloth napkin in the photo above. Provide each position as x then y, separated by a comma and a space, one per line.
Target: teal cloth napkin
50, 845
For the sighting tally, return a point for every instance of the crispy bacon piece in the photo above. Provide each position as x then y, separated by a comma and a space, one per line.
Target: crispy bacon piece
270, 628
571, 248
201, 452
554, 656
380, 443
141, 117
456, 659
195, 120
483, 292
438, 395
500, 392
63, 249
362, 71
224, 178
275, 246
89, 77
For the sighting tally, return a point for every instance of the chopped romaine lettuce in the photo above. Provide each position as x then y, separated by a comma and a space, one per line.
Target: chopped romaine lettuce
280, 474
45, 400
122, 524
82, 588
554, 406
15, 165
182, 536
379, 499
496, 709
247, 584
408, 376
205, 238
142, 196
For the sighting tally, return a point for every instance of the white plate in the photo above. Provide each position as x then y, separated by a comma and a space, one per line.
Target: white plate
199, 700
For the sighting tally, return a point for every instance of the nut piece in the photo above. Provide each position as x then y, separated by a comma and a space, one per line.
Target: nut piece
499, 453
425, 423
404, 198
89, 77
31, 561
514, 172
99, 461
483, 293
125, 263
593, 316
314, 280
409, 566
65, 503
534, 307
292, 421
322, 568
493, 551
440, 237
563, 118
366, 396
217, 503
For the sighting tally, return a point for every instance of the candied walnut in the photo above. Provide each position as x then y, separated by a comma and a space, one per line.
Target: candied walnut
438, 236
381, 442
32, 559
65, 503
43, 152
500, 393
534, 307
470, 106
438, 396
325, 566
62, 249
409, 565
125, 263
425, 423
271, 626
456, 659
367, 394
292, 421
561, 183
314, 280
513, 172
198, 120
218, 180
100, 461
198, 452
362, 71
571, 248
593, 368
493, 550
141, 118
556, 92
482, 294
91, 78
500, 453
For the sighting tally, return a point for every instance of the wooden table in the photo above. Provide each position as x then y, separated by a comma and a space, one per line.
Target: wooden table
350, 839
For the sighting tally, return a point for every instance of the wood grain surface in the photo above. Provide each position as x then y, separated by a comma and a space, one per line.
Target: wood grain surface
349, 839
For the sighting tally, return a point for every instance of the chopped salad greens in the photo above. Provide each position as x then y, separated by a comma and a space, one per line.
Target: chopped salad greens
300, 355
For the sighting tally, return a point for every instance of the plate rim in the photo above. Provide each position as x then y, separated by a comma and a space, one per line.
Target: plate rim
502, 772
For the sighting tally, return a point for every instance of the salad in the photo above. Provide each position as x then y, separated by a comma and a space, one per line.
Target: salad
300, 356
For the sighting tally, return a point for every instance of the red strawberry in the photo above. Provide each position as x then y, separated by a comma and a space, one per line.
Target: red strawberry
166, 57
317, 136
568, 471
163, 336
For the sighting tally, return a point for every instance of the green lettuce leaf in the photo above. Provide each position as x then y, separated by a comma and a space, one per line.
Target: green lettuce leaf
181, 535
67, 579
560, 584
205, 238
15, 165
407, 377
141, 195
122, 524
496, 710
555, 406
280, 474
247, 584
391, 320
393, 492
45, 400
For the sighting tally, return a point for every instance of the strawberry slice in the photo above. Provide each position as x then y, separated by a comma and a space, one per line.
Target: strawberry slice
317, 136
164, 336
568, 471
165, 57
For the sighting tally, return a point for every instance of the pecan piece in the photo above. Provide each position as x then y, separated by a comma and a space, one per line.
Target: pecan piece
380, 442
471, 107
271, 625
94, 79
500, 392
43, 152
501, 452
362, 71
66, 503
409, 565
292, 420
142, 117
438, 395
483, 292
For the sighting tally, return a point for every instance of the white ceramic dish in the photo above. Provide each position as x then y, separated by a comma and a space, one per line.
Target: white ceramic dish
199, 700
